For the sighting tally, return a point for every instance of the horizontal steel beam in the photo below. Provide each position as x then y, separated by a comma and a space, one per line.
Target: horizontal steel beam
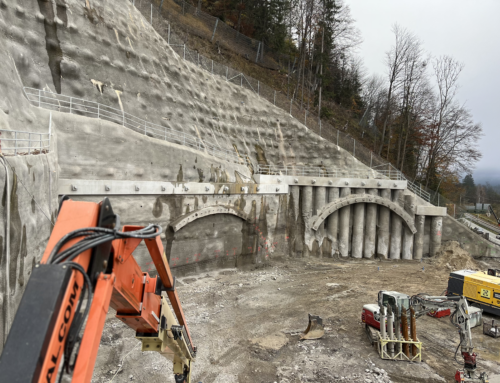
117, 187
368, 183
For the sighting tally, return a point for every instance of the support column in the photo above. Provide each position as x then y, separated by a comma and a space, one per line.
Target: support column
344, 217
371, 227
383, 226
306, 214
295, 193
435, 240
418, 251
396, 230
319, 202
410, 207
333, 221
358, 227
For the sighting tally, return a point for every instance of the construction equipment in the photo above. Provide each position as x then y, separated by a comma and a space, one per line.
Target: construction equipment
479, 287
492, 329
315, 329
391, 312
461, 319
494, 215
88, 259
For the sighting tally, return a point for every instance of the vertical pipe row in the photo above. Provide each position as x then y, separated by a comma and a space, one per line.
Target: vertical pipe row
371, 227
407, 252
319, 202
333, 221
383, 227
307, 199
419, 237
344, 217
435, 238
358, 227
396, 229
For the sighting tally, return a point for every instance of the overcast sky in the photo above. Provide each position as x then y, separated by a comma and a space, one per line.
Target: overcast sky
466, 30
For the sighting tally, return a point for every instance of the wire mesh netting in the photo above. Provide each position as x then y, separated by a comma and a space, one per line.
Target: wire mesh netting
175, 20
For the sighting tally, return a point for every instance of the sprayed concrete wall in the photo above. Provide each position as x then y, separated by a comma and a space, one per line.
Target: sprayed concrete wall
106, 52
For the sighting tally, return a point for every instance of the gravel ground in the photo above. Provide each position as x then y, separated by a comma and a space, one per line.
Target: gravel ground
246, 323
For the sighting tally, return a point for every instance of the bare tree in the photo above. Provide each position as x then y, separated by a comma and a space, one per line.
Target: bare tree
396, 59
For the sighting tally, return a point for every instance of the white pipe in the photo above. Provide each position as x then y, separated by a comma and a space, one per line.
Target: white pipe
7, 251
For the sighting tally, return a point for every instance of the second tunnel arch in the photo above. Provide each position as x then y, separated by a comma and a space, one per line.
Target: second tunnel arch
330, 208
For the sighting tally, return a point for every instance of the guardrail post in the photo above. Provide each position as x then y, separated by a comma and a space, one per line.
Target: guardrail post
371, 158
184, 51
151, 13
29, 143
215, 28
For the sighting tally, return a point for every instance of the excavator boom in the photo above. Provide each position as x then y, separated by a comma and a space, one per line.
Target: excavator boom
87, 267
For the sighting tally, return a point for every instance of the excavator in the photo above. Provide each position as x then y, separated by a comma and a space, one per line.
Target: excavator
88, 266
460, 318
423, 304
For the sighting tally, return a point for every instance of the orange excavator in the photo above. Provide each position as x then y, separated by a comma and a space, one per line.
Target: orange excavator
87, 267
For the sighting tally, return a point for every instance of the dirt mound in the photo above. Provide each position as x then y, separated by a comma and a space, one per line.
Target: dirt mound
452, 256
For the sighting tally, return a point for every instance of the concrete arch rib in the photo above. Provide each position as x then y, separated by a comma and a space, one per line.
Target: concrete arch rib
182, 221
362, 198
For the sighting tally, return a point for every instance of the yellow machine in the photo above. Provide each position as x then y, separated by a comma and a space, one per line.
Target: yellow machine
482, 288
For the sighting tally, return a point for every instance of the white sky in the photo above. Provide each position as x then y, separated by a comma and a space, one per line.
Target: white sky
467, 30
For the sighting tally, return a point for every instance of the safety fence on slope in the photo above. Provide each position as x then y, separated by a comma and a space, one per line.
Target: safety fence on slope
81, 107
17, 142
296, 109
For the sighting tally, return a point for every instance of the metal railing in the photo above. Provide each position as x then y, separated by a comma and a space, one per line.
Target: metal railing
81, 107
412, 186
482, 222
16, 142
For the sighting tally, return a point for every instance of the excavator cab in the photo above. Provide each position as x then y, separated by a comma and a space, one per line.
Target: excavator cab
393, 299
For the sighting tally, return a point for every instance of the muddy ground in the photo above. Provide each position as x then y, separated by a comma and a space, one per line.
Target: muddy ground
245, 326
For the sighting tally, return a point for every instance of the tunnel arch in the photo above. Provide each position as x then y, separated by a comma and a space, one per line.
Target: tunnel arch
183, 220
362, 198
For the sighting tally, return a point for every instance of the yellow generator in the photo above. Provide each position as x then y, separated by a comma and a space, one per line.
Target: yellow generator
479, 287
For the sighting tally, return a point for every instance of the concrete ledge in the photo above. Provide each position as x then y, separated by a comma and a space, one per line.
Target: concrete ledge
115, 187
433, 211
368, 183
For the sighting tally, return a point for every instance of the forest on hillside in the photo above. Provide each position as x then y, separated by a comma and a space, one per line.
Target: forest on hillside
410, 115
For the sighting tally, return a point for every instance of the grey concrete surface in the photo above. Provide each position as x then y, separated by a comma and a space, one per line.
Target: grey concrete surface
435, 235
419, 237
344, 217
358, 227
371, 227
333, 221
384, 227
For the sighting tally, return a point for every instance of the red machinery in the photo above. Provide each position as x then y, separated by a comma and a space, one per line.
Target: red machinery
88, 258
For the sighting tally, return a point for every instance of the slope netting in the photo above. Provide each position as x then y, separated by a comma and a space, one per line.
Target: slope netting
174, 20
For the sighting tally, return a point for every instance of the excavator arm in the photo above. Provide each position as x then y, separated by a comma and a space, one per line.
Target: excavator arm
87, 267
460, 318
